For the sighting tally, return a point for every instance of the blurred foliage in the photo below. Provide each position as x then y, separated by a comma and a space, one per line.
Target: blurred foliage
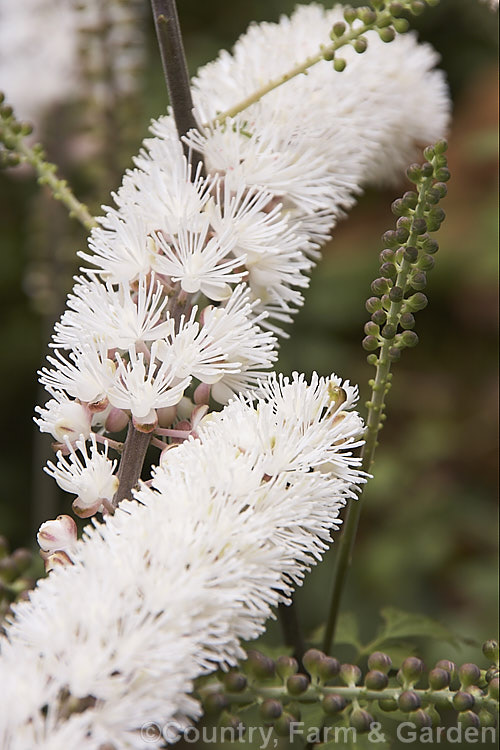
427, 540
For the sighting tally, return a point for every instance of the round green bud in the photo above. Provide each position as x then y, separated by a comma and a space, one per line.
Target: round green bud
258, 665
435, 218
286, 666
328, 668
426, 262
417, 7
414, 173
441, 146
409, 339
441, 188
407, 321
388, 704
449, 666
428, 244
386, 255
370, 343
390, 239
234, 682
379, 317
432, 197
350, 15
412, 669
338, 29
399, 208
360, 45
440, 161
271, 709
411, 254
360, 720
427, 169
486, 719
404, 222
469, 719
463, 701
328, 55
469, 674
312, 657
297, 684
282, 725
231, 720
439, 679
395, 9
493, 689
383, 21
372, 359
387, 35
373, 304
429, 153
367, 15
375, 680
402, 233
396, 294
442, 174
401, 25
380, 286
333, 704
389, 331
491, 651
215, 703
418, 280
420, 719
394, 354
388, 270
6, 112
419, 226
380, 662
491, 673
409, 701
350, 674
339, 64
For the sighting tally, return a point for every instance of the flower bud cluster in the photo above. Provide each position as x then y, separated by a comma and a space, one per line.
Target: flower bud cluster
15, 578
407, 257
346, 694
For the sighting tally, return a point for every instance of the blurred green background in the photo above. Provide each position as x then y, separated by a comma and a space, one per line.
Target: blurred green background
428, 535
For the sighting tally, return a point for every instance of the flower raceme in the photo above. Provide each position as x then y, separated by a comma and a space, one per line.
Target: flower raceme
165, 588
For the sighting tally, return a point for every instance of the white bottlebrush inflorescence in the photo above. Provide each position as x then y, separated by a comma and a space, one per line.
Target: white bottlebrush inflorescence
190, 278
165, 589
42, 43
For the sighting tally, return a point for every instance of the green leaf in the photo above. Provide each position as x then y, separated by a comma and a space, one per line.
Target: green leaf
348, 630
400, 625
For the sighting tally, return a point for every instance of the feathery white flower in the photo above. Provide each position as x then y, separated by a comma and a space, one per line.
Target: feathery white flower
64, 418
87, 377
117, 317
91, 478
142, 388
210, 548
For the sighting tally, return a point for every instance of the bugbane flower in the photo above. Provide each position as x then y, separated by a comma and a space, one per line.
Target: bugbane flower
64, 418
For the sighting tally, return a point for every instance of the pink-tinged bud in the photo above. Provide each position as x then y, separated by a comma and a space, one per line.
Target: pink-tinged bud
59, 534
197, 416
57, 558
84, 509
97, 406
184, 408
117, 420
202, 394
183, 426
166, 415
149, 423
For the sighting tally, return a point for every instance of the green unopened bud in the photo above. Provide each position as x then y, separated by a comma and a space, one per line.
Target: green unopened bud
402, 233
389, 331
386, 255
388, 270
379, 317
282, 725
396, 294
469, 674
441, 188
439, 679
372, 359
440, 147
426, 262
394, 354
463, 701
442, 174
409, 701
234, 682
333, 704
370, 343
449, 666
469, 719
417, 7
387, 35
432, 197
361, 720
429, 153
350, 15
428, 244
231, 721
491, 651
409, 339
419, 226
435, 218
395, 9
390, 239
360, 45
491, 673
271, 709
328, 668
373, 304
407, 321
410, 254
258, 665
350, 674
388, 704
486, 719
493, 688
412, 669
215, 703
339, 64
367, 15
297, 684
286, 666
380, 286
311, 660
420, 719
338, 29
375, 680
418, 280
401, 25
414, 173
399, 208
380, 662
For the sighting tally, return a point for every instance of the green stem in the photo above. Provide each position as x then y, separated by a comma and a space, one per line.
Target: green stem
380, 387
